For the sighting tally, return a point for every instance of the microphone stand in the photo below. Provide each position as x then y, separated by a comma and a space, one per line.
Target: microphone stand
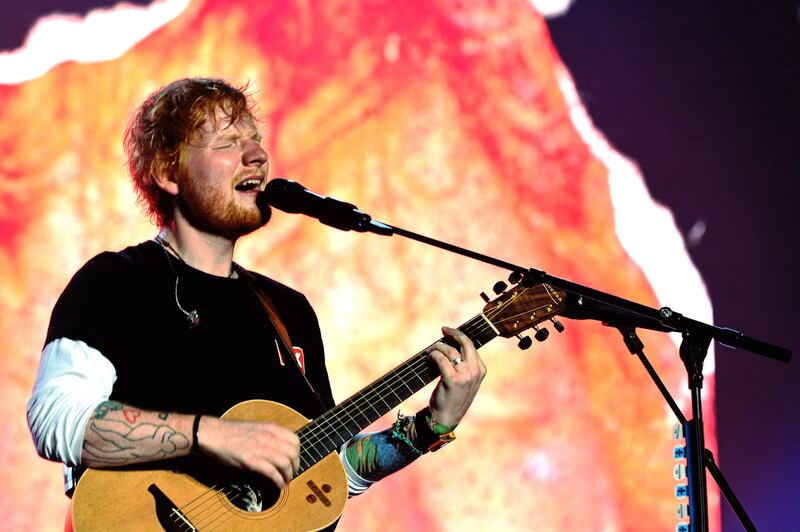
625, 315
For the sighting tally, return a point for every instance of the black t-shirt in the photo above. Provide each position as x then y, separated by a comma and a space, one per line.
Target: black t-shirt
124, 305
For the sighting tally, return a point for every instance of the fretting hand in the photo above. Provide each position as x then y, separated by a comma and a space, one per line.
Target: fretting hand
462, 373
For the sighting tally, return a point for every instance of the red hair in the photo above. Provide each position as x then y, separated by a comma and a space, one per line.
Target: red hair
164, 123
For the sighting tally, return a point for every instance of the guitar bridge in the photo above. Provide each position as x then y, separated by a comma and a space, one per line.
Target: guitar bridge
169, 516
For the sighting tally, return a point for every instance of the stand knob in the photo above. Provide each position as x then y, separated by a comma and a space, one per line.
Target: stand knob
524, 342
541, 334
499, 287
558, 325
515, 277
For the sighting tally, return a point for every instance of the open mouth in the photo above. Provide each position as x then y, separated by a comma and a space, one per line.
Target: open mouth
250, 184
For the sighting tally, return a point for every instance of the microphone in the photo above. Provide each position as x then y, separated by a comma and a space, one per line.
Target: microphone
290, 196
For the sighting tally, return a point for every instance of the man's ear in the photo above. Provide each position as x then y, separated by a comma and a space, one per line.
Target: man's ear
166, 183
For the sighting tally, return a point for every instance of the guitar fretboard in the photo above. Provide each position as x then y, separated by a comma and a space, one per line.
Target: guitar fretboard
331, 430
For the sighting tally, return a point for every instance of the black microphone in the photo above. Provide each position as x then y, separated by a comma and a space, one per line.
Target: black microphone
290, 196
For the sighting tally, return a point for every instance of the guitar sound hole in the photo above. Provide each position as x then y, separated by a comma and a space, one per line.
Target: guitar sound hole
245, 490
252, 495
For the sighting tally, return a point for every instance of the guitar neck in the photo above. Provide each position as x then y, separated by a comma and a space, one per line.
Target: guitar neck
331, 430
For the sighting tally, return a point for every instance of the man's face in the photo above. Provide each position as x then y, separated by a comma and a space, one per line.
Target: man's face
222, 170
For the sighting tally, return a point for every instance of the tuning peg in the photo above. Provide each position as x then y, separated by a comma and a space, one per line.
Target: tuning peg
499, 287
515, 277
524, 342
484, 297
541, 334
558, 325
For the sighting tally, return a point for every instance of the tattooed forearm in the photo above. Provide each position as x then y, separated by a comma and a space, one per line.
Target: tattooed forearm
119, 435
377, 455
120, 443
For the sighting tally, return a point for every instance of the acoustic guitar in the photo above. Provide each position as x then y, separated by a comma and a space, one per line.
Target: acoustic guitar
142, 499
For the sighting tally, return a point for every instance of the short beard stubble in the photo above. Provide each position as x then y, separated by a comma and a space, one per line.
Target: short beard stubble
210, 212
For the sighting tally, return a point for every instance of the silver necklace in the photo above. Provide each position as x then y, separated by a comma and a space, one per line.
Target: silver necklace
192, 316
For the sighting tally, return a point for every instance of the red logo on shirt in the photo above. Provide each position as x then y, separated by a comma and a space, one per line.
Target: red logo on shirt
299, 356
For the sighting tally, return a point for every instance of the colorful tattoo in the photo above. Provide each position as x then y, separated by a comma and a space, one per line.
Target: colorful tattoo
105, 407
377, 455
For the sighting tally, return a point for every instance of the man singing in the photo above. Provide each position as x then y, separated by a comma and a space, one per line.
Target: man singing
149, 346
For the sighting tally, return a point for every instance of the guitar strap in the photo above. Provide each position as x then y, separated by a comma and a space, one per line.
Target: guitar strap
274, 318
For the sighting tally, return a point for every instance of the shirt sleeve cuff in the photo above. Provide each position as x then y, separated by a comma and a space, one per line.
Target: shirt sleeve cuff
356, 485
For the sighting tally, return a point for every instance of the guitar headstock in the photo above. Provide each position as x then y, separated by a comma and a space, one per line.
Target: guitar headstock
521, 308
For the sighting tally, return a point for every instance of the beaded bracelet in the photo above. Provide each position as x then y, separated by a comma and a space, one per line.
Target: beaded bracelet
399, 432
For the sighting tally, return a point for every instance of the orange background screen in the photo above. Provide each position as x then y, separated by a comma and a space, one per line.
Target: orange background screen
445, 118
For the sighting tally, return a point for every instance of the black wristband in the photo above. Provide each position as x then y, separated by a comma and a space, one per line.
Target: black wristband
195, 429
425, 436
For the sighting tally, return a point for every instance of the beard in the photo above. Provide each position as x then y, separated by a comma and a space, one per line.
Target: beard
209, 211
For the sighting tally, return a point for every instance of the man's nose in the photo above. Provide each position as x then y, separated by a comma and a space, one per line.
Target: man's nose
254, 154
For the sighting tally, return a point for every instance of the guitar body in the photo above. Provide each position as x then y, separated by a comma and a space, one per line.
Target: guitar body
144, 500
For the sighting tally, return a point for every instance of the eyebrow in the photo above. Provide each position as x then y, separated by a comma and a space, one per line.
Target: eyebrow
234, 135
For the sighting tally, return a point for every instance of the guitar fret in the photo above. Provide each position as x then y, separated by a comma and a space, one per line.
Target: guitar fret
346, 435
328, 436
326, 447
310, 439
313, 447
341, 431
388, 407
421, 380
341, 425
399, 399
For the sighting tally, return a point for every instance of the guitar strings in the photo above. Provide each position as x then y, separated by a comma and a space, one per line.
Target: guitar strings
206, 521
389, 381
202, 505
220, 512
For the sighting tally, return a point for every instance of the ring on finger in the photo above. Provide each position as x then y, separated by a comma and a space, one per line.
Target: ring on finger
457, 361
